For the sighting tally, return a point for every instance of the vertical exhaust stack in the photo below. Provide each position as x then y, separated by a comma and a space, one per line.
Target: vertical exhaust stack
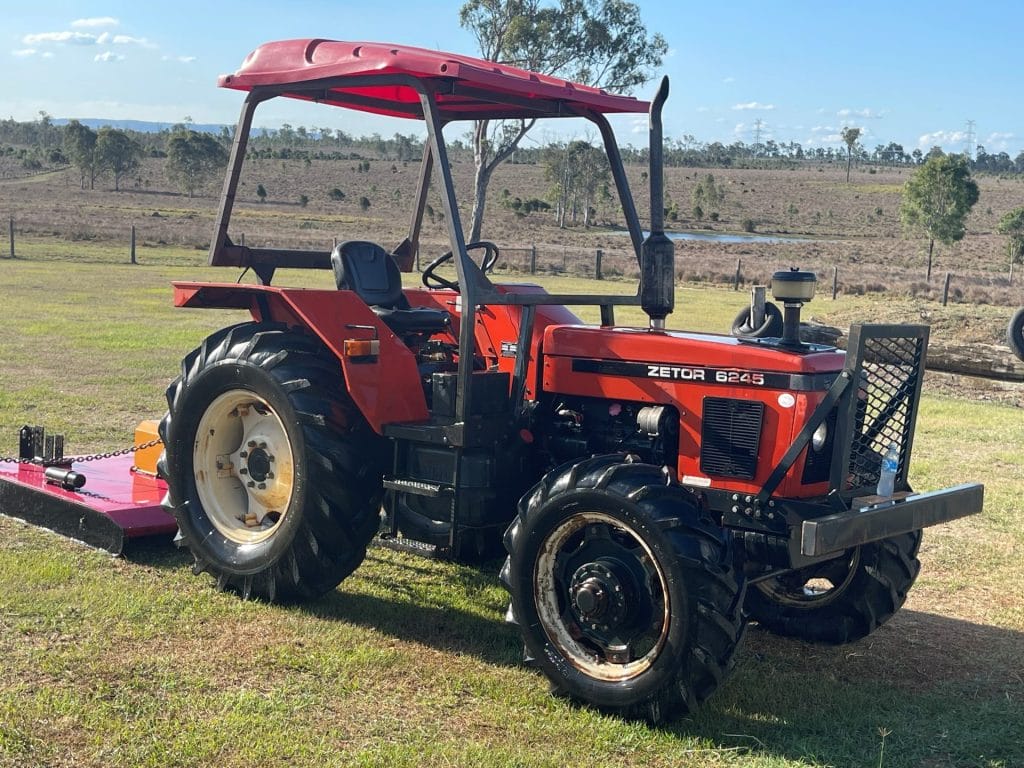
657, 268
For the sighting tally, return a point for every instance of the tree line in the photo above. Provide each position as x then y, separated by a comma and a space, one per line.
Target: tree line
40, 144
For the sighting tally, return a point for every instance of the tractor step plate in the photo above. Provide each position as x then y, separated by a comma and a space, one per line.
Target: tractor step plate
116, 503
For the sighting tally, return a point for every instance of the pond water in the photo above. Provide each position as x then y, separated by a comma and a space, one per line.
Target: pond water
718, 237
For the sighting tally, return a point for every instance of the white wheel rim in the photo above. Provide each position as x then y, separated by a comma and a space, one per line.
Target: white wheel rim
243, 466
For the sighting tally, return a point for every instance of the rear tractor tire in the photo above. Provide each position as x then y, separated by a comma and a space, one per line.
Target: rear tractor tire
770, 327
1015, 333
841, 600
626, 597
271, 471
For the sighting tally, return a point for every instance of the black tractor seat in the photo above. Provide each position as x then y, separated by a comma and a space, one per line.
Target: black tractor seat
368, 270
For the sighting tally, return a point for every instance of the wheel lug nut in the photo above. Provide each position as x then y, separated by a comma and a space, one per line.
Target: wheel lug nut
270, 457
243, 454
270, 475
263, 446
250, 484
251, 443
262, 486
243, 471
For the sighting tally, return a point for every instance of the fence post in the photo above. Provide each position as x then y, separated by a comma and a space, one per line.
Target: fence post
835, 282
12, 237
945, 288
533, 259
736, 281
597, 264
133, 246
757, 303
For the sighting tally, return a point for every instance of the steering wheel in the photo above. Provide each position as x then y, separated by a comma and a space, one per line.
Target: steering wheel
434, 282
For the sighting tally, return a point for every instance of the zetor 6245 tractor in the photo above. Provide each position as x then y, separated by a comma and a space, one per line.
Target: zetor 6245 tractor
653, 488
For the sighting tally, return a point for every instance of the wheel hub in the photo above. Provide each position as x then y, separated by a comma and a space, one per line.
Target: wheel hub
597, 596
258, 462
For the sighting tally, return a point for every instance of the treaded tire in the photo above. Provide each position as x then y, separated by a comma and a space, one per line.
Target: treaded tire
771, 327
1015, 333
331, 512
689, 601
874, 581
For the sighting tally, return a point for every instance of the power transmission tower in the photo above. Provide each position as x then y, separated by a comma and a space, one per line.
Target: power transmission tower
757, 136
969, 142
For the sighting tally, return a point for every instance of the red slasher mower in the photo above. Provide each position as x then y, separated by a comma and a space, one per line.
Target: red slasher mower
653, 488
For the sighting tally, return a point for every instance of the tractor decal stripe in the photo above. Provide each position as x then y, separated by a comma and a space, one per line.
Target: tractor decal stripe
795, 382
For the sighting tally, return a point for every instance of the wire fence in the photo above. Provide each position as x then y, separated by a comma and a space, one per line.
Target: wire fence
724, 268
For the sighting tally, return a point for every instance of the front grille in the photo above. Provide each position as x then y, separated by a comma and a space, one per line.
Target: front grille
730, 434
888, 388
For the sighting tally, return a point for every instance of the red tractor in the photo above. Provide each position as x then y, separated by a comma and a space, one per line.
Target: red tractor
653, 488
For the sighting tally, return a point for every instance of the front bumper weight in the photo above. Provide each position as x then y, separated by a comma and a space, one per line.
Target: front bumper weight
861, 525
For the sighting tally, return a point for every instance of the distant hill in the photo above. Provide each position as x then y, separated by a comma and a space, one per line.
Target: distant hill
142, 126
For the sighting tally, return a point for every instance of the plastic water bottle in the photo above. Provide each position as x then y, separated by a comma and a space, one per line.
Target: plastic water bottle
890, 463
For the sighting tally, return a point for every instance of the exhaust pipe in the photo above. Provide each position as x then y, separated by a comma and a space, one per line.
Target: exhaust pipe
657, 272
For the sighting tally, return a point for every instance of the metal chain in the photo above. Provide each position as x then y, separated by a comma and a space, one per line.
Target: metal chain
86, 457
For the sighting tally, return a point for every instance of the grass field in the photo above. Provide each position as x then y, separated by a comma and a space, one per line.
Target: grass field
135, 662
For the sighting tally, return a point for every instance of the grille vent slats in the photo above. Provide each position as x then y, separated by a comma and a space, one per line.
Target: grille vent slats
730, 435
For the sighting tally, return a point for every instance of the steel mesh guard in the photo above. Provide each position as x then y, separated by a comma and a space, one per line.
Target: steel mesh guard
889, 367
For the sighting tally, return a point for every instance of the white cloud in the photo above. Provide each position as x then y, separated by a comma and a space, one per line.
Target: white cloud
24, 52
76, 38
97, 21
108, 56
129, 40
729, 79
180, 59
47, 54
703, 109
998, 141
941, 138
753, 105
866, 114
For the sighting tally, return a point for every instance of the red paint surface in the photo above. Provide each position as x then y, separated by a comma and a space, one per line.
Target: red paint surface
130, 499
781, 425
298, 61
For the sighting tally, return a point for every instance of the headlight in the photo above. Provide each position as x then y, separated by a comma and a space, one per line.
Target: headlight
819, 437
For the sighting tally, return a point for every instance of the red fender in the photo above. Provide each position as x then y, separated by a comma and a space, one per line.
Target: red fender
334, 317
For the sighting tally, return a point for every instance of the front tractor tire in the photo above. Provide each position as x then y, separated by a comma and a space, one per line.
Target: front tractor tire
271, 470
626, 597
841, 600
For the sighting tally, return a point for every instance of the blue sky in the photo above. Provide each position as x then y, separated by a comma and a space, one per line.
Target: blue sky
911, 72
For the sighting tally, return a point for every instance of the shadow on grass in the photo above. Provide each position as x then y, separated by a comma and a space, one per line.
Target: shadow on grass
156, 552
440, 605
944, 692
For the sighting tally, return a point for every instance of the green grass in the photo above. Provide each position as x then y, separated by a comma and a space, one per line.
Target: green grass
136, 662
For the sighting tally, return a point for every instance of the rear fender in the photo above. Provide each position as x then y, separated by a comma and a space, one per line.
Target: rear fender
385, 388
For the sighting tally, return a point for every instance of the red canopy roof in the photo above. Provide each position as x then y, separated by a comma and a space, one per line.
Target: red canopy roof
471, 87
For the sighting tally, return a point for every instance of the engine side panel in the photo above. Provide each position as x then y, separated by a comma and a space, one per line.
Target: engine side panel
696, 375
